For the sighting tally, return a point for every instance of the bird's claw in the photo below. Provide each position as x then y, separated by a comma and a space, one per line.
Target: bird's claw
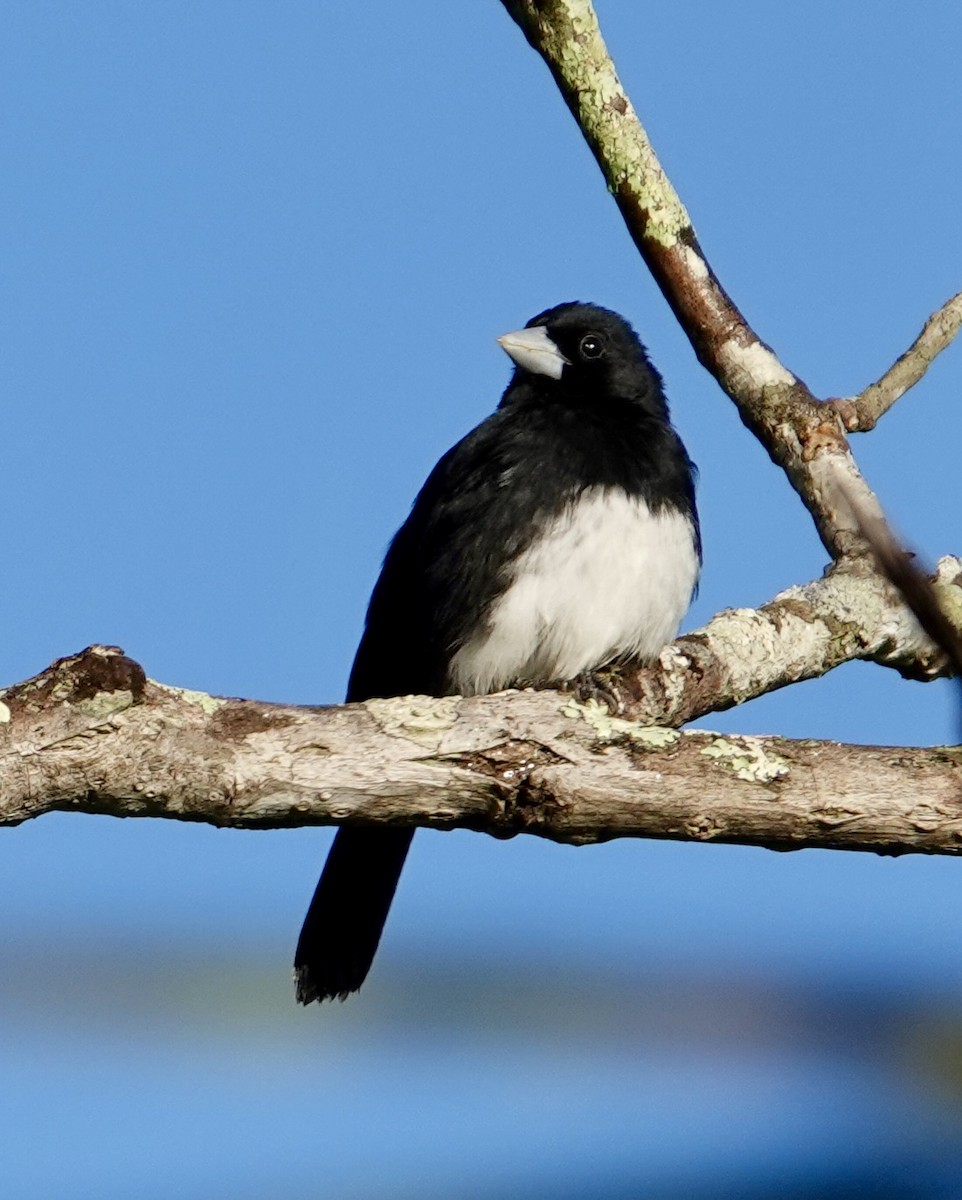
601, 686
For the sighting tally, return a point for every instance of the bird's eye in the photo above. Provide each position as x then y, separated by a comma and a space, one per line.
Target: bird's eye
591, 346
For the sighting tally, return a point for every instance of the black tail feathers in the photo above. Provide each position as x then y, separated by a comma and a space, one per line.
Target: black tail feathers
343, 925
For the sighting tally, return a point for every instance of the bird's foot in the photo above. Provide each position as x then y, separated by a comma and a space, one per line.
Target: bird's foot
604, 686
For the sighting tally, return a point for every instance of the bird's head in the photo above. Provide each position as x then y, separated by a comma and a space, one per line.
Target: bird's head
586, 352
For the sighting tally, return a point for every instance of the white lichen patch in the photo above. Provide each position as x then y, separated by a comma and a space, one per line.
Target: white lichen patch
421, 719
752, 647
754, 365
694, 263
4, 713
609, 728
205, 702
747, 757
948, 584
675, 666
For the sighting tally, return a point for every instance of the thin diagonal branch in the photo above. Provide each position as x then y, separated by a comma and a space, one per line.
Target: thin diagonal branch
861, 413
805, 437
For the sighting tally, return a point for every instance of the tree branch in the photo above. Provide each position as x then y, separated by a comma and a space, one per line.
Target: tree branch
801, 434
850, 613
93, 734
861, 413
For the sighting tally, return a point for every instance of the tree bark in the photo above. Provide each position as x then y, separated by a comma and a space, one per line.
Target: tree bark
93, 734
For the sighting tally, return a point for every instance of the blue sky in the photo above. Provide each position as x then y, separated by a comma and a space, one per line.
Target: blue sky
254, 261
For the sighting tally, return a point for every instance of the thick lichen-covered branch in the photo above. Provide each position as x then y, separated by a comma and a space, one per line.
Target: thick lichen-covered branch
93, 734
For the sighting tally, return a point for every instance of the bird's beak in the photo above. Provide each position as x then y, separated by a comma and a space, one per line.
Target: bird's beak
534, 351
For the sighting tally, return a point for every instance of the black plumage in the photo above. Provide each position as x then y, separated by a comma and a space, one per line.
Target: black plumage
558, 535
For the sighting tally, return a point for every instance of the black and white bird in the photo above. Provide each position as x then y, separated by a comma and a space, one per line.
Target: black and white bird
560, 535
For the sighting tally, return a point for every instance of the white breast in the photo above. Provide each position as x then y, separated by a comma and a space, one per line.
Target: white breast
606, 578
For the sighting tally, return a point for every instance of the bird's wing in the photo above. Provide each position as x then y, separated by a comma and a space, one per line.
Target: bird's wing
441, 569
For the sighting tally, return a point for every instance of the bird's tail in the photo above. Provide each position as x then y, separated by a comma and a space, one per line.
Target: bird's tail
343, 925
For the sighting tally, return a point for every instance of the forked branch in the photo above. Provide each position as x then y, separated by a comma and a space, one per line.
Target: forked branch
803, 435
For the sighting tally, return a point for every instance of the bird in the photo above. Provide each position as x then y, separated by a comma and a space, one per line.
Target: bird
558, 536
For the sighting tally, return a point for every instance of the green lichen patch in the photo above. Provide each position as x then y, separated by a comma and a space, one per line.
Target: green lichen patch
206, 703
747, 757
104, 704
609, 728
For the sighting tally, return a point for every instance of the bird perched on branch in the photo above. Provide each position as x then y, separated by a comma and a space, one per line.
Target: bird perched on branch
560, 535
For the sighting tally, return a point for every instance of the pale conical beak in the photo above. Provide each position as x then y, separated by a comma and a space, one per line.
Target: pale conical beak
534, 351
